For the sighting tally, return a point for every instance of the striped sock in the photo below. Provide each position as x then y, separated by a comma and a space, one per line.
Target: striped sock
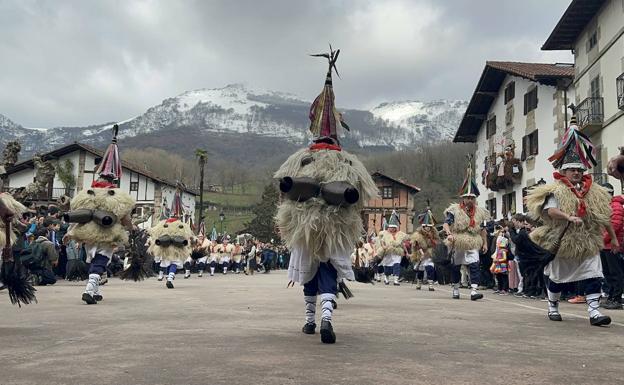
310, 308
327, 306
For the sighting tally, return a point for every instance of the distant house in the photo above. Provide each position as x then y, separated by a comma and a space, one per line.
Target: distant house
151, 192
394, 195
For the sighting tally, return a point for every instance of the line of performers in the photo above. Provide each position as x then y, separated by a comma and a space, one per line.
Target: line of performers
385, 252
206, 256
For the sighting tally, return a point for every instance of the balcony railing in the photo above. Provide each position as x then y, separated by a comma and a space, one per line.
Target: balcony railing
590, 114
619, 85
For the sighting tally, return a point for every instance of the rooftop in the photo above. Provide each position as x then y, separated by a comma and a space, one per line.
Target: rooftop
76, 146
571, 24
489, 84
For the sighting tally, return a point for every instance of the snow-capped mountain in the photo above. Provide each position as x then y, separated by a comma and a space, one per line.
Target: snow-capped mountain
252, 123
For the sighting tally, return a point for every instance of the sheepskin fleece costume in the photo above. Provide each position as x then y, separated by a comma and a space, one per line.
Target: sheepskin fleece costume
16, 208
391, 245
425, 241
321, 229
579, 242
112, 200
173, 229
467, 237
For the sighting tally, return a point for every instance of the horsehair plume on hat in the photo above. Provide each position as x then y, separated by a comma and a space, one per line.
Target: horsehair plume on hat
110, 166
576, 150
325, 120
469, 187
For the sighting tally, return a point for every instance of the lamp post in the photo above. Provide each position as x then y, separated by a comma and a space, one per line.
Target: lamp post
221, 218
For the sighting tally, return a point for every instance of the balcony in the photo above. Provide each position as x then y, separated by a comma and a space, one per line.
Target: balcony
590, 115
47, 196
619, 85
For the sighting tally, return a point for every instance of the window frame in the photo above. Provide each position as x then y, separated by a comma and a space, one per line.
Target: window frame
490, 127
134, 183
530, 100
510, 92
385, 195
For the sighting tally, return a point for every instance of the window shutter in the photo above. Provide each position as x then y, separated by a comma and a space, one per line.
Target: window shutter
524, 148
535, 143
526, 98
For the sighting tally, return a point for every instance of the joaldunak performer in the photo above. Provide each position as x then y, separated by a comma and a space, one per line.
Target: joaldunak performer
574, 211
424, 240
200, 249
226, 250
100, 218
392, 249
465, 235
323, 190
171, 241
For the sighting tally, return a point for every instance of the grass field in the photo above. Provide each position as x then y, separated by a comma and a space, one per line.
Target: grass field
235, 205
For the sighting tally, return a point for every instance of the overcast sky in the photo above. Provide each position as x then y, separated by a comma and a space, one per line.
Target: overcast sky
88, 62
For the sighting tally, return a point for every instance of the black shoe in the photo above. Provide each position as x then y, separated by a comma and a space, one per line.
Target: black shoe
327, 333
98, 297
431, 289
169, 285
396, 284
613, 305
309, 328
554, 316
88, 299
476, 296
601, 320
187, 276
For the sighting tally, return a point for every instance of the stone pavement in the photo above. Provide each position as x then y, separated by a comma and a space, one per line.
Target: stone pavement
247, 330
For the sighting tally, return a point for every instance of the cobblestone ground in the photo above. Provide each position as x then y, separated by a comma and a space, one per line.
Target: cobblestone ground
242, 330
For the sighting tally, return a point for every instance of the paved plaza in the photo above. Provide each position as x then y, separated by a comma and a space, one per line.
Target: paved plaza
247, 330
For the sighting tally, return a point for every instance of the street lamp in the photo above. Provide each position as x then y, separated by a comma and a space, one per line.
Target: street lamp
221, 218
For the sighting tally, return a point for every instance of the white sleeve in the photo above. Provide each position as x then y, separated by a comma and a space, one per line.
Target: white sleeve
550, 203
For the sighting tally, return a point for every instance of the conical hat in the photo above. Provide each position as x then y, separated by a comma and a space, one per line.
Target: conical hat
325, 121
426, 218
575, 150
394, 219
469, 187
109, 170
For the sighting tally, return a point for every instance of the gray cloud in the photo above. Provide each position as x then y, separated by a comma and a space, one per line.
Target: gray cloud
86, 62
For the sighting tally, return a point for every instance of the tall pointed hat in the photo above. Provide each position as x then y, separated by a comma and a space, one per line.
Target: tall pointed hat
325, 121
575, 150
394, 220
177, 210
469, 187
202, 229
426, 218
109, 170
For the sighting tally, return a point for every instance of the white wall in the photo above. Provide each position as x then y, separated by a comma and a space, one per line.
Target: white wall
608, 23
547, 138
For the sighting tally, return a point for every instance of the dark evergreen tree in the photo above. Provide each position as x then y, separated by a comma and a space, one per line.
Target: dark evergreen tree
262, 226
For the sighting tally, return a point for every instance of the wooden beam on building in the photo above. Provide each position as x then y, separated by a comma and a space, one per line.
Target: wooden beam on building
487, 93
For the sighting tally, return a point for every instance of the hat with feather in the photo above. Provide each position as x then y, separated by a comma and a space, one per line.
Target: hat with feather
325, 121
575, 150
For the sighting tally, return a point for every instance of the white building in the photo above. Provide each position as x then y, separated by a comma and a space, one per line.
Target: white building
521, 105
148, 190
593, 30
